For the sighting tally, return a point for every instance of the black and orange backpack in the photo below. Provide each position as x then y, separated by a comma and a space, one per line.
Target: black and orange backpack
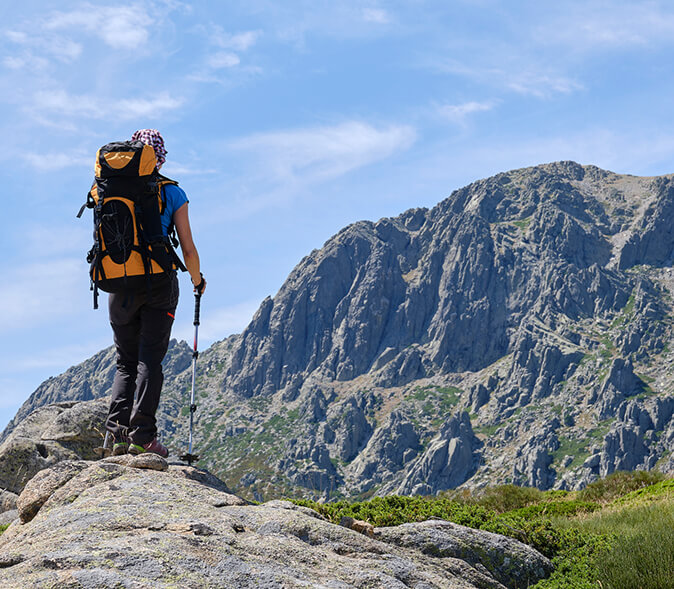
130, 249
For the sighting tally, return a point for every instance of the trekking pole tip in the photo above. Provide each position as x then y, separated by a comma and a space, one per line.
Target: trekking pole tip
189, 458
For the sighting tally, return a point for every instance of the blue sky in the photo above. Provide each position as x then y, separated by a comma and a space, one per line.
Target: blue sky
285, 121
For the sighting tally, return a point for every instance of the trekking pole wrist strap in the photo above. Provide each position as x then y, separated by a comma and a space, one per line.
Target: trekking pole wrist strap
199, 287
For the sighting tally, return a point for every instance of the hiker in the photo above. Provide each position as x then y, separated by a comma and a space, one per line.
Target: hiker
142, 318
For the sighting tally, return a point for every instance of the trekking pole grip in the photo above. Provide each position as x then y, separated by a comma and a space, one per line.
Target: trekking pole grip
197, 308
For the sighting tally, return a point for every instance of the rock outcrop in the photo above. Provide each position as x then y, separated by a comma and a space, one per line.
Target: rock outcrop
451, 459
51, 434
120, 522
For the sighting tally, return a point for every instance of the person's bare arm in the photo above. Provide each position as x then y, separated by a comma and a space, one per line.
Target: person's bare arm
182, 222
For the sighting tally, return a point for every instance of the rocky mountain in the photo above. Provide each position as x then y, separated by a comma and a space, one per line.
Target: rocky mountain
139, 522
520, 331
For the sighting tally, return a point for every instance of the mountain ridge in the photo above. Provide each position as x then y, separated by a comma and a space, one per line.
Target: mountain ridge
537, 300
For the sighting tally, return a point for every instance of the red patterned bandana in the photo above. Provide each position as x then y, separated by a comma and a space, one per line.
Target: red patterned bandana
152, 137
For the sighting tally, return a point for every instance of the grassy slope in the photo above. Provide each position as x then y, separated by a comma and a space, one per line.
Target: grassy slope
618, 533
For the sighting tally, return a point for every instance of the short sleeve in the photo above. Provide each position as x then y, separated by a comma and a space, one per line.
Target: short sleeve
175, 196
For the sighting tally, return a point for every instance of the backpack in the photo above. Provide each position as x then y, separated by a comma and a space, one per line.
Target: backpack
130, 249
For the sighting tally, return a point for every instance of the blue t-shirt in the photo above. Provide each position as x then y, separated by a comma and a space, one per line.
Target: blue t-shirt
174, 197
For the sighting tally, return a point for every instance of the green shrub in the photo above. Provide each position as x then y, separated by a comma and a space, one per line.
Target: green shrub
3, 527
619, 483
558, 508
575, 567
656, 492
503, 497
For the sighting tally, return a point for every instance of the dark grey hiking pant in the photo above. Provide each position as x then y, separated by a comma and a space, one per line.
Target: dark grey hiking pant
141, 322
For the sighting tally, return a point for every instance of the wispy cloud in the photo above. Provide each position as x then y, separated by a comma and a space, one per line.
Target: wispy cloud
54, 161
236, 42
35, 52
224, 53
376, 15
320, 153
222, 59
458, 113
119, 26
541, 85
523, 76
62, 103
595, 24
279, 166
62, 35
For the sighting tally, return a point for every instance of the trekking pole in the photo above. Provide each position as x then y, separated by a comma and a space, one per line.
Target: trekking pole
189, 457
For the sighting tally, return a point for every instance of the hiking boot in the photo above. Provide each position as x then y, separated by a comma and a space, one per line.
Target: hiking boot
155, 447
120, 445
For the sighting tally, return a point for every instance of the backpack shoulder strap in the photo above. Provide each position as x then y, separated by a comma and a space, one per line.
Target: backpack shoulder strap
163, 180
173, 238
92, 198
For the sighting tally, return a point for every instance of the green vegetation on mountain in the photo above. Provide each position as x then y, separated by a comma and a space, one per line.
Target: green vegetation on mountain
617, 533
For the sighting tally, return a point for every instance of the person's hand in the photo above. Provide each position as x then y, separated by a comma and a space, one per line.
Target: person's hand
201, 287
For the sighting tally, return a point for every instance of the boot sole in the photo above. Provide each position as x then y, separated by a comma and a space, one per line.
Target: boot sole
120, 449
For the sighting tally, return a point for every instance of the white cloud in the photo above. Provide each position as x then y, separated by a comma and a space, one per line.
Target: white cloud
64, 50
522, 76
594, 24
320, 153
226, 49
51, 162
457, 113
40, 42
238, 42
541, 85
120, 27
223, 60
17, 36
376, 15
19, 63
35, 52
62, 103
148, 107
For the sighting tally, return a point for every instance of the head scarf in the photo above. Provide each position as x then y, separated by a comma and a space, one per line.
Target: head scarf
152, 137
